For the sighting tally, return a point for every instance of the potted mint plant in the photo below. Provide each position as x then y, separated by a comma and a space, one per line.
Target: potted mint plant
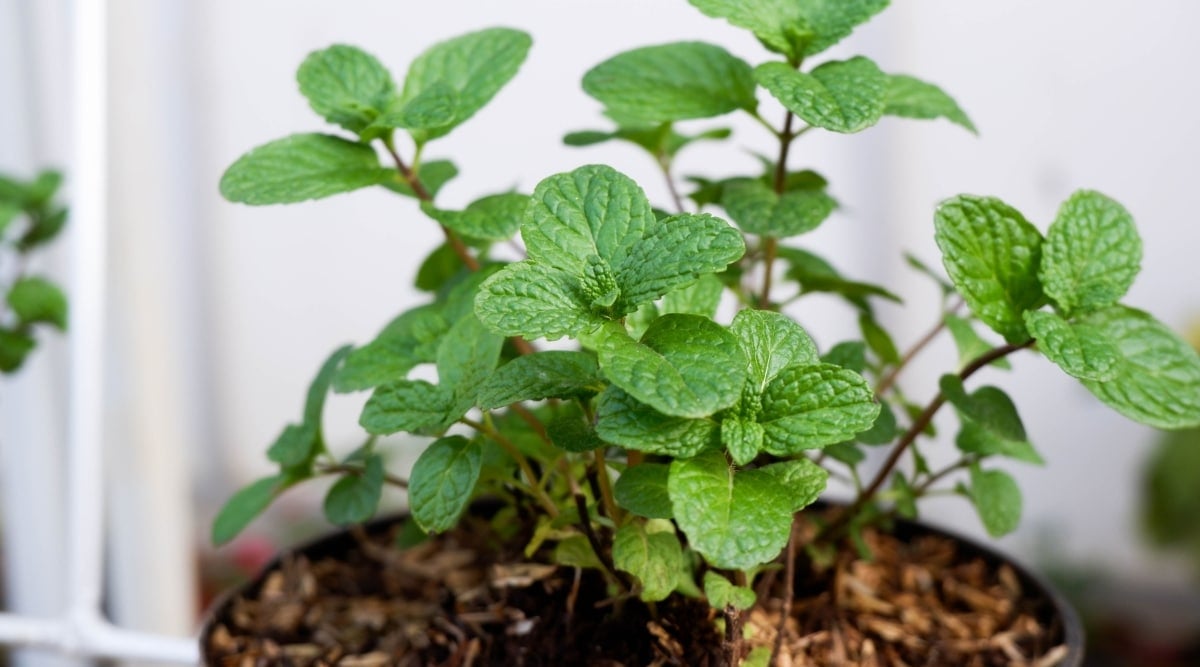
642, 489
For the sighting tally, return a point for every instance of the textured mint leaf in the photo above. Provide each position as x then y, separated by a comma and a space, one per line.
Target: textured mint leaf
842, 96
795, 28
642, 489
883, 431
674, 253
573, 433
533, 300
771, 342
757, 209
721, 593
432, 175
910, 97
592, 211
36, 300
1079, 349
302, 167
699, 298
466, 357
475, 65
493, 218
548, 374
1157, 379
816, 275
354, 498
415, 406
669, 82
969, 343
435, 106
622, 420
807, 407
804, 480
651, 552
992, 255
997, 498
244, 506
975, 438
684, 365
990, 423
442, 481
1091, 255
832, 20
849, 354
346, 85
15, 347
743, 439
736, 521
408, 340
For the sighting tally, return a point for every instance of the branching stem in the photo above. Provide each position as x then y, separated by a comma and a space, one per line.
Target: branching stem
522, 462
344, 469
889, 380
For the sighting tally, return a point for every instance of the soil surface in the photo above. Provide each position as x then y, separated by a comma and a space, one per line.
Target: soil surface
466, 598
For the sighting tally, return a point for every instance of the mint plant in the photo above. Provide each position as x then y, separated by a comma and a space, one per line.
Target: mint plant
30, 218
670, 446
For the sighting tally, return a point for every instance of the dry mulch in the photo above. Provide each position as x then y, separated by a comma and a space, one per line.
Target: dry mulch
447, 602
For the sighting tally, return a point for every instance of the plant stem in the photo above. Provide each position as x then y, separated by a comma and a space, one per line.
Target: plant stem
789, 593
771, 245
606, 492
343, 469
889, 380
522, 462
664, 164
585, 522
835, 528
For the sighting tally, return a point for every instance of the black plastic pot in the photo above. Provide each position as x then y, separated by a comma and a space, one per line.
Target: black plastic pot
1053, 608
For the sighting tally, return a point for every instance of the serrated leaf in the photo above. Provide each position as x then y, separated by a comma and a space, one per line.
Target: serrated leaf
435, 106
807, 407
534, 300
832, 20
1091, 255
841, 96
883, 431
1082, 351
997, 498
699, 298
850, 354
415, 406
975, 438
804, 480
410, 339
742, 439
969, 343
466, 357
794, 28
757, 209
547, 374
642, 489
624, 421
493, 218
674, 253
573, 433
816, 275
15, 347
302, 167
722, 593
36, 300
442, 481
1157, 374
669, 82
655, 557
244, 506
992, 255
475, 65
990, 422
910, 97
771, 342
432, 176
346, 85
736, 521
684, 365
354, 498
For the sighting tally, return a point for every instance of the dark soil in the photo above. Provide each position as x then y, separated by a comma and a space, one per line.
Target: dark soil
465, 598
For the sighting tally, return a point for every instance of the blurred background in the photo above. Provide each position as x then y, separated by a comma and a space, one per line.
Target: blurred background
220, 314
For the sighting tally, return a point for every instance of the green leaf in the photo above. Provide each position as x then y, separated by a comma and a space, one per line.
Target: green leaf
475, 65
576, 551
43, 230
1091, 255
804, 480
346, 85
990, 423
807, 407
354, 498
244, 506
573, 433
816, 275
771, 342
850, 354
533, 300
410, 339
699, 298
832, 20
34, 299
493, 218
432, 175
295, 446
302, 167
442, 481
910, 97
548, 374
721, 593
997, 499
883, 431
743, 439
1157, 374
1079, 349
795, 28
674, 253
15, 347
434, 107
642, 489
8, 213
314, 402
684, 365
878, 339
846, 452
415, 406
970, 344
671, 82
975, 438
757, 209
842, 96
624, 421
466, 358
652, 553
737, 521
992, 255
1171, 503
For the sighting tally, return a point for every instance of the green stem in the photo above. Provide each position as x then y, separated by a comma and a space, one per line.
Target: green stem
345, 469
606, 492
664, 165
522, 462
771, 244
